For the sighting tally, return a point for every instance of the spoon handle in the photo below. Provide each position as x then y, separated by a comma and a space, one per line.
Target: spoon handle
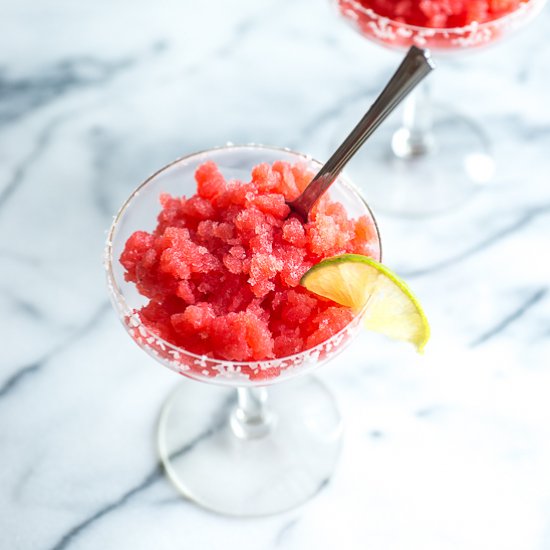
414, 67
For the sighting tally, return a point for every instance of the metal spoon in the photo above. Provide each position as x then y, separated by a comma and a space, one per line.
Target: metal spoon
416, 65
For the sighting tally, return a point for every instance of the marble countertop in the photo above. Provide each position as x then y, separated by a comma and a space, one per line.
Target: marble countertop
450, 451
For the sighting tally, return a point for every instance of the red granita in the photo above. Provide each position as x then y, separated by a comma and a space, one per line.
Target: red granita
439, 25
222, 268
442, 13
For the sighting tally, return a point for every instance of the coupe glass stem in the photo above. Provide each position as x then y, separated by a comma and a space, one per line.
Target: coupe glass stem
251, 419
415, 137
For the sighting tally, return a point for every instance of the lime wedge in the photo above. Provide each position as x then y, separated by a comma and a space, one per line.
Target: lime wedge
359, 281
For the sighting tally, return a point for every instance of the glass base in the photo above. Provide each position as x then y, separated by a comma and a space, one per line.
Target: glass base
417, 178
283, 467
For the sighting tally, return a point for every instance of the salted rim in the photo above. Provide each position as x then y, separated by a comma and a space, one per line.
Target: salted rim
527, 4
124, 308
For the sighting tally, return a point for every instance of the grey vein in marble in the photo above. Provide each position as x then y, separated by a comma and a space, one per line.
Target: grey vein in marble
157, 474
517, 314
524, 220
93, 98
23, 373
66, 540
20, 171
21, 96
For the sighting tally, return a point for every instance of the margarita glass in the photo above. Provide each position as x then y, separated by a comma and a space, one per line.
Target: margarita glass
434, 159
228, 443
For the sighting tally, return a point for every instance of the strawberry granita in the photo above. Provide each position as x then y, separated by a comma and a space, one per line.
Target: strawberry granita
222, 268
442, 13
440, 25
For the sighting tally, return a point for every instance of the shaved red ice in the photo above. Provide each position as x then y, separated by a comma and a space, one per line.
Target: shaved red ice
222, 268
442, 13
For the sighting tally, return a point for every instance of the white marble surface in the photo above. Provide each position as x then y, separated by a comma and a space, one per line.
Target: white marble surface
450, 452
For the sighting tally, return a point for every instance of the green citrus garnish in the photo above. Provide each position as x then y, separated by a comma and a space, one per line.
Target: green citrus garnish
360, 282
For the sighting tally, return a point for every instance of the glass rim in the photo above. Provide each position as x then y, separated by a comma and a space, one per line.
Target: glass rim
474, 26
122, 306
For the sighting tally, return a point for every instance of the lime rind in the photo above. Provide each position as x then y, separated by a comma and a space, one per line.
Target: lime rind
386, 301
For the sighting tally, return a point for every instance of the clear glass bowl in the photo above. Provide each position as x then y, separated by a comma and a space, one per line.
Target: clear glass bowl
434, 159
229, 445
